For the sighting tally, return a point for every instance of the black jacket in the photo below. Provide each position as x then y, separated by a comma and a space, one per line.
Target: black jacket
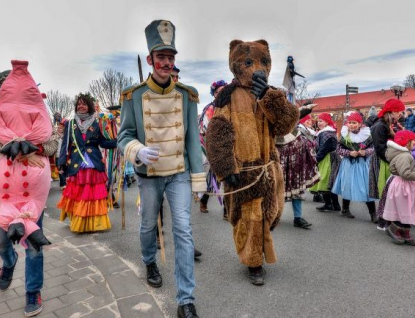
380, 134
94, 138
326, 143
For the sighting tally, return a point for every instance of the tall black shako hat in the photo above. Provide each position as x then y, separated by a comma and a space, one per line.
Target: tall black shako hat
160, 35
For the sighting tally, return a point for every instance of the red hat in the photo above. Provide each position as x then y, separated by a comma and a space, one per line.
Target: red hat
402, 137
305, 118
327, 118
355, 116
392, 105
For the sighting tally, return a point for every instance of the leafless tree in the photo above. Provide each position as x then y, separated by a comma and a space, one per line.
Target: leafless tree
59, 103
410, 81
302, 95
107, 89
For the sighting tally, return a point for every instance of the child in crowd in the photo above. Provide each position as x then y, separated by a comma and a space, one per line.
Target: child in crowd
352, 182
328, 162
400, 195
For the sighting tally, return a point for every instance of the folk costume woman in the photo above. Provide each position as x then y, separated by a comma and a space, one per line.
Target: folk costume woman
204, 118
84, 199
382, 131
24, 123
328, 162
352, 182
299, 167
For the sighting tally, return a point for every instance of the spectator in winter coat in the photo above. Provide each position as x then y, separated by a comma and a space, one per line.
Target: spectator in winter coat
409, 120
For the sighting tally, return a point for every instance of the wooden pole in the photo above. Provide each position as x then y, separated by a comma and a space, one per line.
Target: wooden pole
161, 236
123, 209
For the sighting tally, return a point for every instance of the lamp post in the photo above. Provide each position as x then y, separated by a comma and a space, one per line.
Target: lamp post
398, 90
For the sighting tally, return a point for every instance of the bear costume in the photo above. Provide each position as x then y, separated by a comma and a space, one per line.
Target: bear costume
240, 143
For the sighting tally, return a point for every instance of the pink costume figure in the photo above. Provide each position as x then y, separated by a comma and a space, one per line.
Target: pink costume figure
23, 189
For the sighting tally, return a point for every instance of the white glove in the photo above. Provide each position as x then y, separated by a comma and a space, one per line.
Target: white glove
200, 194
197, 196
148, 155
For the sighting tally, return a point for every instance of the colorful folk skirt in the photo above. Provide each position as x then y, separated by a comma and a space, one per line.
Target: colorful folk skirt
352, 181
84, 201
299, 167
400, 201
324, 168
378, 175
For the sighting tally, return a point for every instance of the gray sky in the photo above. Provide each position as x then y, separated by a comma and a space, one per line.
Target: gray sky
69, 43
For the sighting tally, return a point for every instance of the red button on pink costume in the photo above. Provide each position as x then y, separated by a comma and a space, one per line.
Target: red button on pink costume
23, 115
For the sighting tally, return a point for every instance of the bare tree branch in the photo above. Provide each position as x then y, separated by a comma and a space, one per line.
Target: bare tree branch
107, 89
302, 95
59, 103
410, 81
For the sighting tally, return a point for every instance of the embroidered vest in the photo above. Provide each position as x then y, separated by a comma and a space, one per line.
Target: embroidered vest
163, 126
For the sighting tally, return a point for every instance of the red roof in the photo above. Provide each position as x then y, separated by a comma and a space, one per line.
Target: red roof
362, 100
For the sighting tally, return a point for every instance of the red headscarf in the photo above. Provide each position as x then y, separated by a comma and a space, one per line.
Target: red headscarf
327, 118
355, 116
392, 105
304, 119
402, 137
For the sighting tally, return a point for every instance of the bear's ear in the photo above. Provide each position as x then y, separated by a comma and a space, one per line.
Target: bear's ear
234, 43
263, 42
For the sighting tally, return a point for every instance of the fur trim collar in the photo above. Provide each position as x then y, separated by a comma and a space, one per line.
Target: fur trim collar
394, 145
309, 130
327, 128
361, 136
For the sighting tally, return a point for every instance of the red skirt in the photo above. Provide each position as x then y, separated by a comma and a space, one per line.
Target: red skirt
84, 201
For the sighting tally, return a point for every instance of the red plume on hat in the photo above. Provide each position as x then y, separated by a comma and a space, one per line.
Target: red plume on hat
327, 118
392, 105
402, 137
305, 118
355, 116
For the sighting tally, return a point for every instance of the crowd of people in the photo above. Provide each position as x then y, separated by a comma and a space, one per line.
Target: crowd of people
174, 153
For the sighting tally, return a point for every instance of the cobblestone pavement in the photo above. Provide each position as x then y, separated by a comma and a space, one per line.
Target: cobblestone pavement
82, 278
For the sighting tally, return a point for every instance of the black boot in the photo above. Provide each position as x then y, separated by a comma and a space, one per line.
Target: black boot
15, 232
197, 253
37, 239
345, 210
302, 223
153, 275
328, 206
335, 202
372, 211
318, 198
256, 275
187, 311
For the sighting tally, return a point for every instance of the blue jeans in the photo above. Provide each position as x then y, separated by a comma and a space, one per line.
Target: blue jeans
297, 207
179, 195
33, 265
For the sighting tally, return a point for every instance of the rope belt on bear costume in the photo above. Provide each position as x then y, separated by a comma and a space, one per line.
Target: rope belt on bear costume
245, 169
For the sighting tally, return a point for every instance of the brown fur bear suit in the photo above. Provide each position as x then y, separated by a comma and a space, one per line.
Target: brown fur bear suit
242, 134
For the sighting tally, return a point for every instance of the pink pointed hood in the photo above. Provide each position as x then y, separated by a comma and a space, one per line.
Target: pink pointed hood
23, 113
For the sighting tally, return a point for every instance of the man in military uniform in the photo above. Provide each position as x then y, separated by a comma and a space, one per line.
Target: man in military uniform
175, 74
159, 135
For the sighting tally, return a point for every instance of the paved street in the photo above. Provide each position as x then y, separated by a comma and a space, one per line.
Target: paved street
339, 268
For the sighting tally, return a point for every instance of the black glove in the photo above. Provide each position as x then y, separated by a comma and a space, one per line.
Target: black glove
15, 232
27, 147
14, 149
37, 239
259, 86
233, 179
